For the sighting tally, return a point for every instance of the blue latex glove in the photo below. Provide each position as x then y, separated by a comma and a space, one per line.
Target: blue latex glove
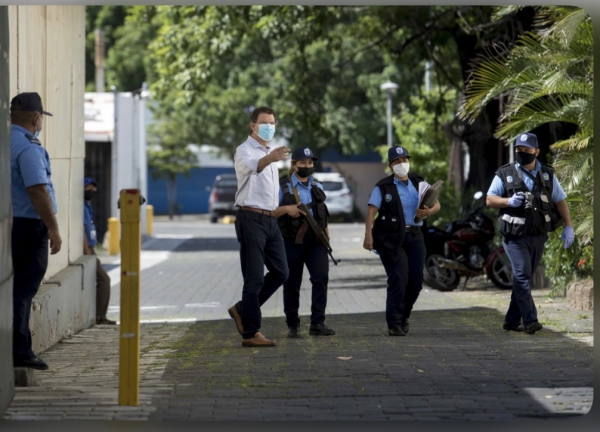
516, 200
568, 236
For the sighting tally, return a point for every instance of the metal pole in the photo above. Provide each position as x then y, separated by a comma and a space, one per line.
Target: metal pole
389, 119
129, 346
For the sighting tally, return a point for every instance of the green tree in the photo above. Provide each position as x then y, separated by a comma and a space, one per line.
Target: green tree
170, 155
108, 18
548, 77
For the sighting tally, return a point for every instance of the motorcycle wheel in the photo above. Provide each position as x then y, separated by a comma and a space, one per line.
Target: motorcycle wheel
500, 274
441, 279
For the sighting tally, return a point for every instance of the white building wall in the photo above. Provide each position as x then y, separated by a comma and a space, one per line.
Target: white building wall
47, 54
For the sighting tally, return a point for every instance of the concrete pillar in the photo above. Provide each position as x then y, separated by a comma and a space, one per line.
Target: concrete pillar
7, 384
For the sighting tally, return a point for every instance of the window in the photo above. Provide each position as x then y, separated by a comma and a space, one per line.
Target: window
330, 186
227, 182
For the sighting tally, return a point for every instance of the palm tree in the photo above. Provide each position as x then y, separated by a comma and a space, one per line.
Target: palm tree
547, 77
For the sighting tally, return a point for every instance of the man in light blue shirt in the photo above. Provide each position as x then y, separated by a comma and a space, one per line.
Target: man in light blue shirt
256, 227
524, 223
34, 223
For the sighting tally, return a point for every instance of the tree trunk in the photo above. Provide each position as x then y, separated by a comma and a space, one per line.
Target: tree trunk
171, 194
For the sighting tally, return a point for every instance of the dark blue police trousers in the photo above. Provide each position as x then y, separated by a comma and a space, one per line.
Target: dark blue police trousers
525, 254
30, 262
405, 279
261, 244
314, 255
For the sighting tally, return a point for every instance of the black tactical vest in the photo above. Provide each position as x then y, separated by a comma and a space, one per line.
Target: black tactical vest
288, 225
543, 217
390, 225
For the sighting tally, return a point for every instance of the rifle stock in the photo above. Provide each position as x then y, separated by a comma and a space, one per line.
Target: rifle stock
318, 231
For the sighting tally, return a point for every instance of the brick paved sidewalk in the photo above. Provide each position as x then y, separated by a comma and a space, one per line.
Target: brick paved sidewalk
454, 364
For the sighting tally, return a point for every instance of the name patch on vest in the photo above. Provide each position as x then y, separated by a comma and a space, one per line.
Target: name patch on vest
509, 179
546, 176
388, 197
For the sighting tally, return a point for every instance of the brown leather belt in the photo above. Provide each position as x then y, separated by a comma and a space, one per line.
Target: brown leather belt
255, 210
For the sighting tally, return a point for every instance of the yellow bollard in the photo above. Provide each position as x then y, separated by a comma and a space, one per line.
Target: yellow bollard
149, 218
129, 346
113, 236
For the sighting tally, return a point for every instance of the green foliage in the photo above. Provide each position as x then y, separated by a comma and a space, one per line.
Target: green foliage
108, 18
170, 154
128, 64
547, 77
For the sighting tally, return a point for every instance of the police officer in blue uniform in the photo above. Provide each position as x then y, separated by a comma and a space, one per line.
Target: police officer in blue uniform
89, 242
301, 244
397, 239
525, 222
34, 221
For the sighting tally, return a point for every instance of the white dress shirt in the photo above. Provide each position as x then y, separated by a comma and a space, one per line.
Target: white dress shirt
255, 189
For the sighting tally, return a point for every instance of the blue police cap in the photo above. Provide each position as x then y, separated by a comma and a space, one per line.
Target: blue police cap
28, 101
89, 180
397, 152
303, 153
527, 140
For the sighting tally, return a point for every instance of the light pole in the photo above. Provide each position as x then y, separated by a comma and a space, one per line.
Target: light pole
389, 88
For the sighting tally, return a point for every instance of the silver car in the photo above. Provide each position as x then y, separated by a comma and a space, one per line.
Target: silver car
339, 196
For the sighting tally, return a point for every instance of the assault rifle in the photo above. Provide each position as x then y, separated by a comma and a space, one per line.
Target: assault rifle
321, 235
312, 223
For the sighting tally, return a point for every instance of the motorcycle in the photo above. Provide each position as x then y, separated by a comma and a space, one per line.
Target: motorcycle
466, 249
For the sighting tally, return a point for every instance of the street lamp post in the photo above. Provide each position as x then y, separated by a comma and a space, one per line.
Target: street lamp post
389, 88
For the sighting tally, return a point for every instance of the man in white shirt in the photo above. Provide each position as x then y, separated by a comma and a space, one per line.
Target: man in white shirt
261, 243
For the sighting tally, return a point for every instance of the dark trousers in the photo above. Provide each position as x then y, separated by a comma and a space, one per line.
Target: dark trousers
314, 255
102, 289
30, 262
405, 279
261, 244
525, 254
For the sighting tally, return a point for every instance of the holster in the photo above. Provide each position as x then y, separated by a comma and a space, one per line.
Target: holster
301, 233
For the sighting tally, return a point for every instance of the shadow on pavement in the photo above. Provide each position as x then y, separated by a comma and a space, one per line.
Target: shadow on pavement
196, 244
455, 364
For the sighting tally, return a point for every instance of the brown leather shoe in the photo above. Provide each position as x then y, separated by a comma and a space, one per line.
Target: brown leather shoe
258, 341
233, 313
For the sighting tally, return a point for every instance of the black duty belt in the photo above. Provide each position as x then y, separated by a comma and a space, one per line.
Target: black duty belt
413, 229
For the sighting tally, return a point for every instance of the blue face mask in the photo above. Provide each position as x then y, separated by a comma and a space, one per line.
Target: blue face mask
37, 133
266, 131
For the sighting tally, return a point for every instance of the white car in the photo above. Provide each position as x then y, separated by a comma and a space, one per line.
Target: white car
339, 198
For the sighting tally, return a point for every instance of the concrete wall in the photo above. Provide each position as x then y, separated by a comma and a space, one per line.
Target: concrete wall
47, 53
6, 375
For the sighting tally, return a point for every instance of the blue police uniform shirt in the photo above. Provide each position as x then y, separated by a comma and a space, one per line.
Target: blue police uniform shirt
30, 166
303, 191
409, 196
88, 222
558, 193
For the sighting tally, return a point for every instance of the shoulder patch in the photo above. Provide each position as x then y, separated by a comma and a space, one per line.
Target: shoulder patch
509, 179
388, 197
546, 176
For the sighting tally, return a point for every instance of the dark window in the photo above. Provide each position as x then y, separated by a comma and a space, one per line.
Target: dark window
329, 186
227, 183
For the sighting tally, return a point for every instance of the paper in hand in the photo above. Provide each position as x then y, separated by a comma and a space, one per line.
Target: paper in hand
428, 195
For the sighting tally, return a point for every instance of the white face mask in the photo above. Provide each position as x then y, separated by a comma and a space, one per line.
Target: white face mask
401, 169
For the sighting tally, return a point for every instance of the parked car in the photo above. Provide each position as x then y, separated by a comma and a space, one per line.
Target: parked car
222, 197
339, 196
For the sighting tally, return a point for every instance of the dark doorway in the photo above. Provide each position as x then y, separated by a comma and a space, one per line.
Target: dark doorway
98, 166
